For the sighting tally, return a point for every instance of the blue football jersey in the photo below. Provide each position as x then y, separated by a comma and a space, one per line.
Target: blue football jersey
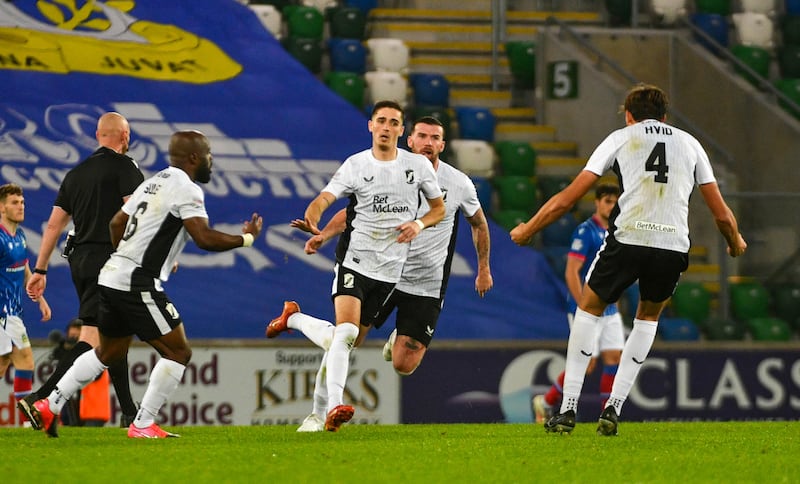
587, 239
13, 260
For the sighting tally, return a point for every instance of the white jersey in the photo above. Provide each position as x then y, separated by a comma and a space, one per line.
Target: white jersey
383, 196
427, 268
658, 166
154, 235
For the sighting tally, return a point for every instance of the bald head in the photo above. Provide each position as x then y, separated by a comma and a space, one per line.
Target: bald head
191, 152
113, 132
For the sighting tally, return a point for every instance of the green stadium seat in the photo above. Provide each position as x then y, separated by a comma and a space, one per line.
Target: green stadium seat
724, 330
350, 85
692, 301
769, 329
439, 112
348, 23
516, 193
790, 30
791, 89
720, 7
517, 158
749, 300
756, 58
678, 329
522, 62
508, 219
552, 184
789, 61
305, 22
619, 12
307, 51
786, 303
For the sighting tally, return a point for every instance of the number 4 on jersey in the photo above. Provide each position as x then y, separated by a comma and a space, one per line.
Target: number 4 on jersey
657, 162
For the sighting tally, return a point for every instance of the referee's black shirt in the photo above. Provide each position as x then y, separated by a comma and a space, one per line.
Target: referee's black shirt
92, 192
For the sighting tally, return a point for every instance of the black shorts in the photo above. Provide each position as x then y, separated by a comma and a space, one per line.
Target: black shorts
619, 265
85, 263
416, 315
372, 293
147, 314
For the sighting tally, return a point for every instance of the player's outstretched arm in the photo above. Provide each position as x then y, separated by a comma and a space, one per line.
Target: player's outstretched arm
723, 216
215, 241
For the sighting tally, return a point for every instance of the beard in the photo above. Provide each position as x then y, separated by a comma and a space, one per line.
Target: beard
203, 174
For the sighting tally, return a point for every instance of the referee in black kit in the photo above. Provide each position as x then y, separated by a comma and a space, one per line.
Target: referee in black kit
90, 195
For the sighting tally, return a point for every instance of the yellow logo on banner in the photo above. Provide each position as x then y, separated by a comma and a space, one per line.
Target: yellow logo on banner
102, 38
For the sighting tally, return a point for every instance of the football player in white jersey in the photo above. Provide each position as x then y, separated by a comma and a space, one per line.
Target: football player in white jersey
657, 166
149, 233
384, 184
419, 294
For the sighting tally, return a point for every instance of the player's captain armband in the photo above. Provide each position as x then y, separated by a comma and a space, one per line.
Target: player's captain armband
247, 240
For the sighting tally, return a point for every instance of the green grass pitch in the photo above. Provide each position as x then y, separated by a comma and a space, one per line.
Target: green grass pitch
684, 452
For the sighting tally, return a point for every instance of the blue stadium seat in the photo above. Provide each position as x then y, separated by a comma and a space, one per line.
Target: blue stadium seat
484, 188
348, 55
559, 233
678, 329
430, 89
792, 7
715, 26
475, 123
365, 5
556, 257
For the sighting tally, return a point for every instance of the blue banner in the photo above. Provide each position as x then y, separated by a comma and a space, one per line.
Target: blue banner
277, 135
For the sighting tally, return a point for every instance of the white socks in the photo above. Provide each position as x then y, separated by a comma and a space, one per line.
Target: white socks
320, 406
83, 371
633, 355
164, 379
319, 331
579, 352
344, 337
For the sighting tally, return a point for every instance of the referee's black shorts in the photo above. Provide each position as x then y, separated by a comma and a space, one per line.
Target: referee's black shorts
618, 265
85, 263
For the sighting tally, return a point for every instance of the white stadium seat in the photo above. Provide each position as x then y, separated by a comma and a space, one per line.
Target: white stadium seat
667, 12
754, 29
473, 157
389, 54
386, 85
270, 17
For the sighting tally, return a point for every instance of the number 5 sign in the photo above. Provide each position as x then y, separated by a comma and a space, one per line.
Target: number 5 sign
562, 80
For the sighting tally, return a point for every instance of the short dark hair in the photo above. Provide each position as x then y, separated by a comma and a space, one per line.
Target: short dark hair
605, 189
430, 120
646, 101
387, 104
9, 189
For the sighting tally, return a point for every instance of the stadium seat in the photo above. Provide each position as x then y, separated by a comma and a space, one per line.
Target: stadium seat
439, 112
756, 58
678, 329
307, 51
754, 29
789, 61
559, 233
516, 193
349, 85
348, 23
364, 5
278, 4
516, 158
719, 7
556, 257
769, 329
749, 300
473, 157
389, 54
667, 12
717, 329
791, 89
786, 303
304, 22
321, 5
619, 12
522, 62
270, 18
790, 30
483, 186
792, 7
508, 219
552, 184
715, 26
387, 85
767, 7
348, 55
691, 300
475, 123
432, 89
